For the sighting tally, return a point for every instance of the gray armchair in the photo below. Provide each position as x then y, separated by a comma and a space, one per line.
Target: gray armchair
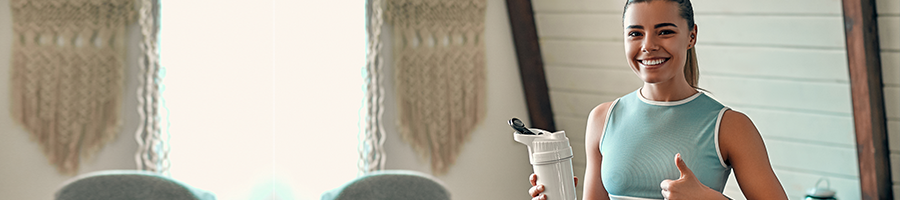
128, 185
391, 185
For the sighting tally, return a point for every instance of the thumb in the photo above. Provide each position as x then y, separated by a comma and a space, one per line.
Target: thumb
682, 167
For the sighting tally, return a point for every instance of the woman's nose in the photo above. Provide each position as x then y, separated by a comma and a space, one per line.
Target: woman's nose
649, 44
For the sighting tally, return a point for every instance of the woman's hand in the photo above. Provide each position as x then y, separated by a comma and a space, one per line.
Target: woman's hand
687, 186
536, 189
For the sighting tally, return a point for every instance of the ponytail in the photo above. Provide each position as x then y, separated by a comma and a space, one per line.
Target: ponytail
691, 71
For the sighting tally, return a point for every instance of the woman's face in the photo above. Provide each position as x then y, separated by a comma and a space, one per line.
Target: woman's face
656, 41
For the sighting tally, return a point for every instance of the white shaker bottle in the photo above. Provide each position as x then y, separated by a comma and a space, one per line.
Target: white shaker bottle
551, 157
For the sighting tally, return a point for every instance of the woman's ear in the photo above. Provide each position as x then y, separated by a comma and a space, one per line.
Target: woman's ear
693, 37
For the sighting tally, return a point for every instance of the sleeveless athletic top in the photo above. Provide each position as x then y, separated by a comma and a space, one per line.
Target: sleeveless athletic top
641, 139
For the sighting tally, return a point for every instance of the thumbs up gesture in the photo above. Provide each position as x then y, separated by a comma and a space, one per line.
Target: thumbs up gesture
687, 186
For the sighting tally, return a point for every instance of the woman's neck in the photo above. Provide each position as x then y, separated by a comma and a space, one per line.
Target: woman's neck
667, 92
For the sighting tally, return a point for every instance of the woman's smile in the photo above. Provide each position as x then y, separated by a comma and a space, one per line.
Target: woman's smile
652, 63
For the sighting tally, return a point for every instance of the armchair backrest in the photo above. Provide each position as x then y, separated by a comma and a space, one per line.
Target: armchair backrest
128, 184
391, 185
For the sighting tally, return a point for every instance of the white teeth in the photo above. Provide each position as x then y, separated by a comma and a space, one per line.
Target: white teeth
653, 62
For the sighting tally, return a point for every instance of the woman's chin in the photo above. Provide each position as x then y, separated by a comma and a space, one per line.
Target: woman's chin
652, 79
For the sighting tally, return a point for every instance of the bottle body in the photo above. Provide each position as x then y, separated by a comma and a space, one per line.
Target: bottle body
550, 156
558, 179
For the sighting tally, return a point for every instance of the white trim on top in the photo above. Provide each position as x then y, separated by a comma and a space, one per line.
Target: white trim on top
668, 103
718, 123
606, 122
617, 197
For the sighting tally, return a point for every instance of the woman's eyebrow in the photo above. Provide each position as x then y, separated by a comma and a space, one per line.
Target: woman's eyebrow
664, 24
656, 26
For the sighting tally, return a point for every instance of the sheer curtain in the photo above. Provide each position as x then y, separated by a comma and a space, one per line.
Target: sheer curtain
152, 153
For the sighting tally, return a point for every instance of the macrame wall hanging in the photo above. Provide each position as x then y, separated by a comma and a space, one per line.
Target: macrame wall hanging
67, 68
440, 77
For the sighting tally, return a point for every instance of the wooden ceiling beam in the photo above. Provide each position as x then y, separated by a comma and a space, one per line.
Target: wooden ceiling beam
866, 88
531, 64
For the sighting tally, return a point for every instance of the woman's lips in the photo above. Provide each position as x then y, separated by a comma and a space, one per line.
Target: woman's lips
653, 62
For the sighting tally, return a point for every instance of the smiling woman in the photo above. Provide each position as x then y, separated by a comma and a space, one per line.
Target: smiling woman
795, 86
637, 134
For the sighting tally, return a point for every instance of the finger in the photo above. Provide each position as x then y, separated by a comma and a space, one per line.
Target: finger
536, 190
665, 194
533, 179
542, 197
665, 184
682, 167
576, 181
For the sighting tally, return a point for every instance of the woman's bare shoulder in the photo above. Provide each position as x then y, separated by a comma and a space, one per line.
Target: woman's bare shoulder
597, 120
600, 111
737, 122
737, 133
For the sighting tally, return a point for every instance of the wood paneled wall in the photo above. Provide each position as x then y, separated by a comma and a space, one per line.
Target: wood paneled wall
581, 44
783, 63
889, 36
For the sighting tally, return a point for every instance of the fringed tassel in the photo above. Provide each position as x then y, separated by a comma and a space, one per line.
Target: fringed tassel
68, 60
439, 73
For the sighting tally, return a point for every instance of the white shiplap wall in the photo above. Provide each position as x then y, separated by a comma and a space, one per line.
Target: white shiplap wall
781, 62
583, 61
889, 28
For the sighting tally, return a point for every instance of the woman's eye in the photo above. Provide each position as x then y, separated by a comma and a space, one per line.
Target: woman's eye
634, 34
666, 32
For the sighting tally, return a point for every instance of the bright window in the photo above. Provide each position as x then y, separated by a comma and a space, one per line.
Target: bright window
263, 98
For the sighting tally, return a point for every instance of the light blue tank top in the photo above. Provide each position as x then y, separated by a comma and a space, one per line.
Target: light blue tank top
642, 137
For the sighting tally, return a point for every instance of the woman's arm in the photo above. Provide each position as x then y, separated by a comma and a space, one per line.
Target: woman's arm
593, 184
743, 148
